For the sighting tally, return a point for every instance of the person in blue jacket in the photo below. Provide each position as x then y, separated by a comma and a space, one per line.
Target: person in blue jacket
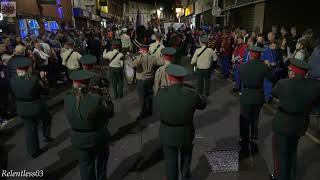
270, 56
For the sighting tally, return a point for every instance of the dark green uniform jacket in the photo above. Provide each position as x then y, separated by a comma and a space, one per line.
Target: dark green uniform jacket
252, 75
296, 95
176, 105
101, 78
27, 90
88, 120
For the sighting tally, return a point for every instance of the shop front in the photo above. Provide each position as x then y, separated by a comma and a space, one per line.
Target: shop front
81, 17
51, 26
28, 27
95, 21
189, 16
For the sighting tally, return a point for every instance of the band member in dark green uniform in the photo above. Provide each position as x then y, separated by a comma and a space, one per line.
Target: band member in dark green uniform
145, 65
88, 115
115, 69
297, 96
252, 98
27, 89
100, 80
176, 105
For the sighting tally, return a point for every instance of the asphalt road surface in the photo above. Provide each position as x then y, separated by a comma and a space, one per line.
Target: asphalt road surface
139, 156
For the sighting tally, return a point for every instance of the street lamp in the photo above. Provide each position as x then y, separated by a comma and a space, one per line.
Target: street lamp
161, 8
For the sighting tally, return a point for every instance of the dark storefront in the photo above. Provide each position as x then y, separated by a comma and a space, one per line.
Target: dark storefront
302, 14
81, 17
243, 17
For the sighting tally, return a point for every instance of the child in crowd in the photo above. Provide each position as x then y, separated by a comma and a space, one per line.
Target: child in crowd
301, 51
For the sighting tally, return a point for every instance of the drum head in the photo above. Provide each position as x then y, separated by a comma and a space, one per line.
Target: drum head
129, 73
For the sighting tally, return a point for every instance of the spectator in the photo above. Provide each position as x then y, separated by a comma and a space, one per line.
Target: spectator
18, 52
292, 39
94, 46
4, 91
260, 41
18, 41
271, 37
314, 62
271, 57
41, 58
310, 40
283, 33
285, 55
276, 32
301, 51
237, 58
125, 41
244, 34
251, 41
226, 50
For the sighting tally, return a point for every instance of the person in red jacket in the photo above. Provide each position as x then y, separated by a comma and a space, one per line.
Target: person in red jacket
237, 58
227, 42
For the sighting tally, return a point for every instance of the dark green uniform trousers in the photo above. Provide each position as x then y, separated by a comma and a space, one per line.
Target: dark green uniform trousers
249, 118
145, 93
171, 156
285, 156
31, 133
93, 163
203, 81
116, 78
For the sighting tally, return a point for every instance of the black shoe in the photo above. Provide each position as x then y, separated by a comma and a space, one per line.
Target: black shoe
254, 148
235, 90
244, 153
240, 141
48, 139
37, 154
272, 177
254, 137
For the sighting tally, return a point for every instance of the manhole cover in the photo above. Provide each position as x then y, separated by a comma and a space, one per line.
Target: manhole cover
223, 161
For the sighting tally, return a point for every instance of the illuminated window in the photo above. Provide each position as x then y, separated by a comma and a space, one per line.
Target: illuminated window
104, 9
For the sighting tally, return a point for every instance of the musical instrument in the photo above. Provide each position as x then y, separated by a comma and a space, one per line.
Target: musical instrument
129, 73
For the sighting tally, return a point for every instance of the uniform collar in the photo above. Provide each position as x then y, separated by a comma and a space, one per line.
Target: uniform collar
254, 61
298, 76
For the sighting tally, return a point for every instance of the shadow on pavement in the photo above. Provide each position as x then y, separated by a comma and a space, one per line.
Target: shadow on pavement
58, 140
62, 167
213, 116
307, 158
202, 170
150, 155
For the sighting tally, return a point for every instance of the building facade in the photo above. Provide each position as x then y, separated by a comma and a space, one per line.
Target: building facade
260, 15
34, 16
140, 13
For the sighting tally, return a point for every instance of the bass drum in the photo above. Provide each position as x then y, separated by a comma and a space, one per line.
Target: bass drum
128, 72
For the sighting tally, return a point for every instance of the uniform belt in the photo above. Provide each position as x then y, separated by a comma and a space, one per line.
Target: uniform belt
174, 125
291, 113
84, 130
